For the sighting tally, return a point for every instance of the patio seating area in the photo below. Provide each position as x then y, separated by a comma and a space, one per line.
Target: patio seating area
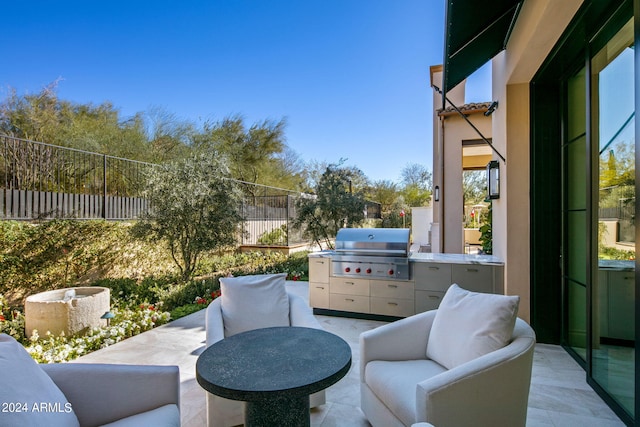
559, 394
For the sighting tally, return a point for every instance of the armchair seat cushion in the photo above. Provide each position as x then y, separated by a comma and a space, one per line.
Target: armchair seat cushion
167, 415
394, 382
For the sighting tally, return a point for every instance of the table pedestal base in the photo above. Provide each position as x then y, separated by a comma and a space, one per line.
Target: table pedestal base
282, 411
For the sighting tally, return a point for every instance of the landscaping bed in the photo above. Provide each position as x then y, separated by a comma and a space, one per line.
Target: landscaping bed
146, 290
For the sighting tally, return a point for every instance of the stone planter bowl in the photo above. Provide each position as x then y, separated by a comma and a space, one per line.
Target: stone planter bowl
69, 310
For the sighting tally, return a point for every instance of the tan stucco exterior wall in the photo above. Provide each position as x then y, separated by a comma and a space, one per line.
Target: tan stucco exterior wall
539, 26
447, 172
456, 130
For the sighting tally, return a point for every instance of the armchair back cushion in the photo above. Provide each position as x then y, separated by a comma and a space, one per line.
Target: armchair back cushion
468, 325
36, 399
251, 302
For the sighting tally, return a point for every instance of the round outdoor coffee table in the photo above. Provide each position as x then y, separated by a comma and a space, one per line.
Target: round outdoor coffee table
274, 370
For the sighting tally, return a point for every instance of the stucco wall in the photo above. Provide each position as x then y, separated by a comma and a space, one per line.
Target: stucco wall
456, 130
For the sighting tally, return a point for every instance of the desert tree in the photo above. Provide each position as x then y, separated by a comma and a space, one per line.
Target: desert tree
194, 208
335, 204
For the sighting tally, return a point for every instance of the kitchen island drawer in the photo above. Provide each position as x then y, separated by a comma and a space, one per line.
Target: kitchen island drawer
427, 300
348, 286
319, 269
392, 306
319, 295
478, 278
354, 303
391, 289
432, 276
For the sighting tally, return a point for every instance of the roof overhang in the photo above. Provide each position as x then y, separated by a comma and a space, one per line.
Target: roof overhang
475, 32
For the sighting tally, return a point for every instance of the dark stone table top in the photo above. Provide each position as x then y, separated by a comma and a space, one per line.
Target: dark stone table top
266, 363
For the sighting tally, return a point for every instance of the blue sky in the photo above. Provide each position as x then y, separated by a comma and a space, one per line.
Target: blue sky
350, 76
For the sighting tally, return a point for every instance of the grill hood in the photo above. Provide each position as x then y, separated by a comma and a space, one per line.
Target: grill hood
373, 241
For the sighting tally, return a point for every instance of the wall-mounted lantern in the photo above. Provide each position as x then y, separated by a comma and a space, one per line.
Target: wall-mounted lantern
493, 180
436, 194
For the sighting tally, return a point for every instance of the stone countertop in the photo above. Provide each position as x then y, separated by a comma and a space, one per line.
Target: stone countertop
616, 265
435, 257
322, 254
455, 258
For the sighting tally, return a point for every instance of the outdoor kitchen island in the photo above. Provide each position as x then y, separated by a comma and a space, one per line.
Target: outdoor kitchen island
430, 275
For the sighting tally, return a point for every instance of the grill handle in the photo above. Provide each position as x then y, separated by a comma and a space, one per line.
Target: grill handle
372, 251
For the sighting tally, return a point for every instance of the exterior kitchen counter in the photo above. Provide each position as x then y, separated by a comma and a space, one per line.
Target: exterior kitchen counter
322, 254
455, 258
349, 290
617, 265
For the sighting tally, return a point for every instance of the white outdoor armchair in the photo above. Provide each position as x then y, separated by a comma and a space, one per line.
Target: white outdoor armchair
400, 386
85, 394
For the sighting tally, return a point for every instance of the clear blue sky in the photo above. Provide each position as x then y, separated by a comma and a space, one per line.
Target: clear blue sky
350, 76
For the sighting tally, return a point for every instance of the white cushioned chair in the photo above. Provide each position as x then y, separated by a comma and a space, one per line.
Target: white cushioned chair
482, 376
85, 394
246, 303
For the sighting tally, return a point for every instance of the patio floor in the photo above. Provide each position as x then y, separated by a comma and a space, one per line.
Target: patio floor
559, 393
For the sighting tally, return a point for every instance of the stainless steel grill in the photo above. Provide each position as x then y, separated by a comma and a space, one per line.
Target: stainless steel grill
381, 253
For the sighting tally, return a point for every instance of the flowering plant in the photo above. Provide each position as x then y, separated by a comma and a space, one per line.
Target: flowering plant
294, 275
208, 297
11, 321
129, 320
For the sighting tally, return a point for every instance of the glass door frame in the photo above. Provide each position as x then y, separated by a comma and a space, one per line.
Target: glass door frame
596, 21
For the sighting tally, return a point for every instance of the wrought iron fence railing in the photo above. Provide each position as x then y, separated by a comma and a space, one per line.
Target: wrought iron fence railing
44, 181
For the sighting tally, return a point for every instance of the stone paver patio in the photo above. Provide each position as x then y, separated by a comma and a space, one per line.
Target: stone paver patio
559, 393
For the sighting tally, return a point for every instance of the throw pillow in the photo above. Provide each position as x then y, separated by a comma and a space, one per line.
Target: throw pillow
27, 395
468, 325
253, 302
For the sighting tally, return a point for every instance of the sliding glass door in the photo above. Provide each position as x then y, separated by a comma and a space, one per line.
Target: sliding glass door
613, 283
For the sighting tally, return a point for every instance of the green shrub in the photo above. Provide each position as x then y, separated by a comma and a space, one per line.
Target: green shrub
277, 236
186, 310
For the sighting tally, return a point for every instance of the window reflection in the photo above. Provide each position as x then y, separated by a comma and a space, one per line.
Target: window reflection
612, 81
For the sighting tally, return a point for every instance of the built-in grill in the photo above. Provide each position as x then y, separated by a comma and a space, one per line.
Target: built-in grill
381, 253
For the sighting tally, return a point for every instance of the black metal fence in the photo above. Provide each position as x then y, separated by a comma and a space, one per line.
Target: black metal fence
268, 220
43, 181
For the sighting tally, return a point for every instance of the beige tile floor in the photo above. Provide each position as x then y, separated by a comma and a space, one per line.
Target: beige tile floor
559, 394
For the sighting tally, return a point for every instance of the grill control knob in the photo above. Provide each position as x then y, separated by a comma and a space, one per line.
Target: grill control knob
347, 269
368, 271
358, 270
390, 272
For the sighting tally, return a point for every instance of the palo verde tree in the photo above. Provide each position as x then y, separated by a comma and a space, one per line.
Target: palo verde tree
336, 205
194, 208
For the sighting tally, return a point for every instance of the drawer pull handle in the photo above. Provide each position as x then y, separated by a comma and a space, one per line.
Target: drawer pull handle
629, 277
349, 300
349, 283
392, 286
434, 268
393, 303
434, 297
319, 287
472, 270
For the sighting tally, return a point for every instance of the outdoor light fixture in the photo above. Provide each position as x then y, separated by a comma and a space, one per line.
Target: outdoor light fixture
108, 315
491, 108
493, 180
436, 194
